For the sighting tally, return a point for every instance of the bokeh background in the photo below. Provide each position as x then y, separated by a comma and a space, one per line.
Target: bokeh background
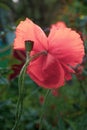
65, 109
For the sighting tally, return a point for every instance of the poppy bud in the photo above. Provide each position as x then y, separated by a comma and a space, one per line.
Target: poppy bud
29, 45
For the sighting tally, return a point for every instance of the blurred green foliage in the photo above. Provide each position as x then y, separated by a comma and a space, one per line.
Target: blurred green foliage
68, 110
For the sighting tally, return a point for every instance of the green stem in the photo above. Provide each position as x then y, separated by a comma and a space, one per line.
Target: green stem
21, 94
22, 88
43, 107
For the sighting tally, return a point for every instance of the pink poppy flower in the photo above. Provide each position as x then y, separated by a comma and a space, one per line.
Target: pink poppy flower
20, 54
64, 50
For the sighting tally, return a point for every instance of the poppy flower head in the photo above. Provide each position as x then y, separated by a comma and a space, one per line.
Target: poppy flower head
64, 49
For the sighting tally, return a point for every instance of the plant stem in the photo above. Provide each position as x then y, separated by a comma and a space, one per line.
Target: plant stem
21, 94
43, 107
22, 88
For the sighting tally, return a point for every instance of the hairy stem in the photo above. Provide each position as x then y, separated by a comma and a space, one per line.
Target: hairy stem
21, 94
22, 88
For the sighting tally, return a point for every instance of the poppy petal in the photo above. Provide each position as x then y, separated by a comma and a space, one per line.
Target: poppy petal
67, 71
27, 30
66, 46
46, 72
56, 26
20, 55
15, 70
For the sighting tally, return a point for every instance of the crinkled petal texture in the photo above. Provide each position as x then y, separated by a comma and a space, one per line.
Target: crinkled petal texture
46, 71
64, 51
27, 30
67, 47
54, 27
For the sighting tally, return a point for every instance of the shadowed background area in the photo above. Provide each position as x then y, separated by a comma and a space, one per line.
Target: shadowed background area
66, 108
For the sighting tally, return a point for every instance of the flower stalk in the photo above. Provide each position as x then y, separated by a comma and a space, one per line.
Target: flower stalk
21, 81
28, 47
43, 107
21, 95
